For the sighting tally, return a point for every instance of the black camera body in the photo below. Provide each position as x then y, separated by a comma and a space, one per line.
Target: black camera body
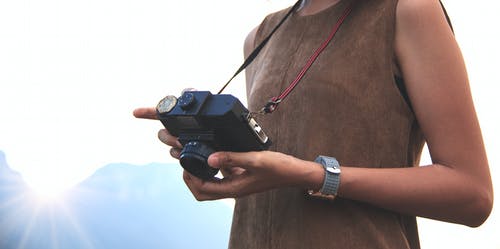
205, 123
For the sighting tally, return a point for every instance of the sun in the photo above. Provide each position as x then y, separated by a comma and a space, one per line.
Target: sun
48, 190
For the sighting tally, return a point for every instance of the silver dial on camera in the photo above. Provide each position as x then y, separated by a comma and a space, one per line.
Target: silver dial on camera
166, 104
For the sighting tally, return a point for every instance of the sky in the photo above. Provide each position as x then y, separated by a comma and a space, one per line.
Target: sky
71, 72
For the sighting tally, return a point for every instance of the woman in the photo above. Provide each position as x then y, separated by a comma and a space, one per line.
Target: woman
391, 79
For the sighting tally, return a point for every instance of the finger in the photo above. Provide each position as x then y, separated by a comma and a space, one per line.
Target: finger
175, 152
195, 186
244, 160
168, 139
146, 113
212, 189
230, 172
189, 180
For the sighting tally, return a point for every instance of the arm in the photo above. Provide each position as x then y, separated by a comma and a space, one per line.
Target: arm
455, 188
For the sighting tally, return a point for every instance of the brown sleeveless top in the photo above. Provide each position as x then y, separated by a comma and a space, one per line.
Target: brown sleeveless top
347, 106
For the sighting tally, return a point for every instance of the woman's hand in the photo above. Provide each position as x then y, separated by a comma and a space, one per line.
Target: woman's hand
253, 172
163, 134
244, 173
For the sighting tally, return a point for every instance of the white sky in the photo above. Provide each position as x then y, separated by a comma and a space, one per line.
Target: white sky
71, 72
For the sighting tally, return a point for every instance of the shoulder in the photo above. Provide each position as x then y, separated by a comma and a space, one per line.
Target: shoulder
419, 13
412, 6
421, 24
250, 41
270, 21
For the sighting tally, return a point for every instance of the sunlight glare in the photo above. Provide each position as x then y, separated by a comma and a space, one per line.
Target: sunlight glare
48, 190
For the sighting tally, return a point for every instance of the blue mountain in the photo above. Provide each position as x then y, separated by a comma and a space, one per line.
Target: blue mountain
119, 206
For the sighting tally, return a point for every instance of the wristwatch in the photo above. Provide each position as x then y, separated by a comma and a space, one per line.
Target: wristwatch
332, 178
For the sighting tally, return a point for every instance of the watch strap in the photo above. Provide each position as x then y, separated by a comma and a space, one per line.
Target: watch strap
332, 175
331, 181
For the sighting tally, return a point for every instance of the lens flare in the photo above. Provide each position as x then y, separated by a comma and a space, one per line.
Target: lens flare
48, 190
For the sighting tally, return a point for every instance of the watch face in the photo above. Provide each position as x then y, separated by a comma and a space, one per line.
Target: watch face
333, 170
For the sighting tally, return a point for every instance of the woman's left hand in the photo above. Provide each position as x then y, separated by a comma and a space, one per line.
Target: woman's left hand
252, 172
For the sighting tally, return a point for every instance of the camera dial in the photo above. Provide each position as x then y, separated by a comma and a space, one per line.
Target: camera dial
187, 100
194, 159
166, 104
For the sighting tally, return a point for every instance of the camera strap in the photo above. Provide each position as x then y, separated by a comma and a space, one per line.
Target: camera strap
273, 103
257, 50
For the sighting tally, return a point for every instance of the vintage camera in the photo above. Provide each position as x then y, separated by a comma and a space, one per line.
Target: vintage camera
205, 123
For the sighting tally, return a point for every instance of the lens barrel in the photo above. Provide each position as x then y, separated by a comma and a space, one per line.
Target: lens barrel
194, 159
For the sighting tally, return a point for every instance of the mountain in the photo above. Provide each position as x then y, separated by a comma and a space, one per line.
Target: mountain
3, 161
11, 182
119, 206
6, 173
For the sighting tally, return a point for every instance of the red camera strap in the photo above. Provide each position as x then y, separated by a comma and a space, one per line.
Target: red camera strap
272, 104
275, 101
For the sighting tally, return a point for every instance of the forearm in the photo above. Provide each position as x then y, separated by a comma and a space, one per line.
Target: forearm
435, 191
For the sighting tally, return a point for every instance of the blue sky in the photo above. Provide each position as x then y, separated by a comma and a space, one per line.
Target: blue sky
71, 72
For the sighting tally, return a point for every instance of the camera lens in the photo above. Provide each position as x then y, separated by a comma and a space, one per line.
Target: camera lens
194, 158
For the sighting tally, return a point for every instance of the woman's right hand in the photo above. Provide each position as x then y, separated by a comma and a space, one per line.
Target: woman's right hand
163, 134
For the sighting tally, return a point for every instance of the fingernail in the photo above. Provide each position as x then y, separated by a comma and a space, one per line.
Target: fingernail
174, 152
213, 160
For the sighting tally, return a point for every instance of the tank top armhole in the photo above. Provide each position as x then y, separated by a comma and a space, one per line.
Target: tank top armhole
398, 76
400, 82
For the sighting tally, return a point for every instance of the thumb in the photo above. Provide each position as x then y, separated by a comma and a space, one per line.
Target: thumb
244, 160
